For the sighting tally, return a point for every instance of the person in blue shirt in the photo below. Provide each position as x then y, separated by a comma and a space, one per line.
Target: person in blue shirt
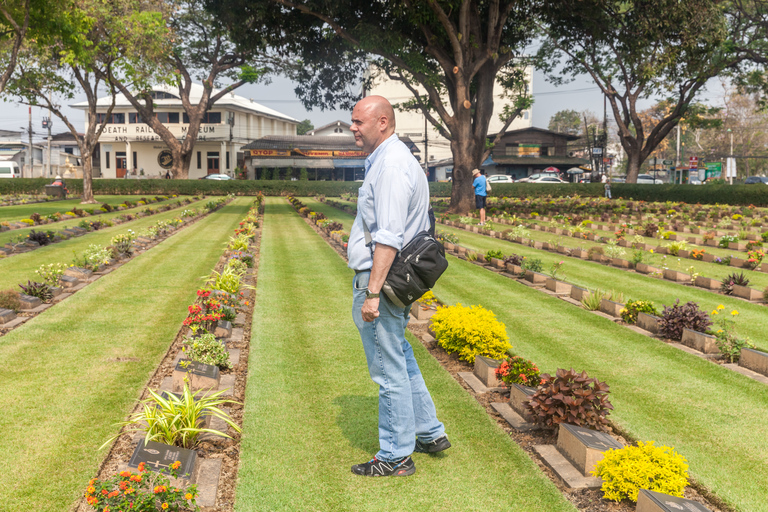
480, 193
393, 203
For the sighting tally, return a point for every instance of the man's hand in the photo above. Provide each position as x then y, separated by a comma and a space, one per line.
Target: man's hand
370, 310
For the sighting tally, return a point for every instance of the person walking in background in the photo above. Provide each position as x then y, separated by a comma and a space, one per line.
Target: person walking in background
607, 186
479, 183
393, 205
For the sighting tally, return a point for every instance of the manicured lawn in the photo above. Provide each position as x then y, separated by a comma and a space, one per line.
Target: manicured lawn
716, 418
19, 234
62, 391
20, 267
311, 408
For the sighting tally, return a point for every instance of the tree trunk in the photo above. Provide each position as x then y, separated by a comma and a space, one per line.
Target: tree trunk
462, 192
181, 162
634, 161
88, 179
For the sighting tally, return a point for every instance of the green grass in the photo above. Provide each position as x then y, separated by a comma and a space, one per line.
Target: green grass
311, 408
23, 211
714, 417
17, 234
61, 390
20, 267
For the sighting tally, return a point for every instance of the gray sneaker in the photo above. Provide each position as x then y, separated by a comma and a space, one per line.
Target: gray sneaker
438, 445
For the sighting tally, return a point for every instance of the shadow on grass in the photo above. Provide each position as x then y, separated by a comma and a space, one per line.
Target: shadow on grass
358, 420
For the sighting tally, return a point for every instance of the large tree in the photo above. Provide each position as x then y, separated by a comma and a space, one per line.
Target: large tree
198, 50
91, 39
14, 23
639, 49
565, 121
448, 53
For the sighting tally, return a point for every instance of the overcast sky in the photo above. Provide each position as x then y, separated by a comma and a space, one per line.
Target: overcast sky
579, 95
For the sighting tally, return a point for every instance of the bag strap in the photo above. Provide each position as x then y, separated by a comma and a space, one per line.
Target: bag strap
369, 238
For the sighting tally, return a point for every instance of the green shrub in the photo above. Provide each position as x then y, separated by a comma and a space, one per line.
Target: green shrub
470, 331
40, 290
633, 307
572, 398
532, 264
725, 240
9, 299
29, 222
51, 273
494, 254
206, 349
645, 466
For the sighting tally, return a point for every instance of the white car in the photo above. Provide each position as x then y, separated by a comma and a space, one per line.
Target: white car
500, 178
535, 177
647, 179
547, 179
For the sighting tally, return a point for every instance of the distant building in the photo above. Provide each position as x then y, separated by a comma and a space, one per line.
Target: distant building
334, 129
330, 157
128, 145
412, 124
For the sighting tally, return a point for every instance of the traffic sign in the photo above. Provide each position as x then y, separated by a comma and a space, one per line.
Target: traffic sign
668, 162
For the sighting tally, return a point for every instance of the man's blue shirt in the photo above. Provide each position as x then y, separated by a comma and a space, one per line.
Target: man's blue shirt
479, 184
393, 200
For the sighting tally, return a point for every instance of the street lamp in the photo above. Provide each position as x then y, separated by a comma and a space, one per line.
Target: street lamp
732, 167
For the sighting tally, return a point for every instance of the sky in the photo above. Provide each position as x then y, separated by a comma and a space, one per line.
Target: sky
581, 94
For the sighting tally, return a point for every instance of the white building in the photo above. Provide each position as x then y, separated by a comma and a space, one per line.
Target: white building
334, 129
412, 124
129, 145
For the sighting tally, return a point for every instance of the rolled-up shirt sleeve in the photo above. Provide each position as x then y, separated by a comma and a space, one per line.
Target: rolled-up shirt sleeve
392, 195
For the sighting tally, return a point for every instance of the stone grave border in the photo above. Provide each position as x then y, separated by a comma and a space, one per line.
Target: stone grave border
9, 250
571, 478
15, 321
210, 470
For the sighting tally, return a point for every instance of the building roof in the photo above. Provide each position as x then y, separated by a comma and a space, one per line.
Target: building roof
327, 142
230, 100
65, 137
535, 129
340, 124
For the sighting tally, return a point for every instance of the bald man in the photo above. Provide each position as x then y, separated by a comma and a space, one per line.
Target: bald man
393, 203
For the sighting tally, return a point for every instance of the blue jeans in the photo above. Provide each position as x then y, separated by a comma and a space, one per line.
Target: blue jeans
406, 409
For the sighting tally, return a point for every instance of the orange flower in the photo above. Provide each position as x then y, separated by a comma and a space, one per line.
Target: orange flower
176, 465
91, 489
160, 488
141, 467
164, 506
188, 496
125, 473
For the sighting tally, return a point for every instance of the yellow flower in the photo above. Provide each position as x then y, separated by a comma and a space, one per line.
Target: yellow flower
714, 312
164, 506
188, 496
734, 312
719, 331
720, 307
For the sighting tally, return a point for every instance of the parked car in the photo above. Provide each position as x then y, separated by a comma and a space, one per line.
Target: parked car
547, 179
647, 179
756, 179
216, 177
500, 178
9, 170
534, 177
694, 180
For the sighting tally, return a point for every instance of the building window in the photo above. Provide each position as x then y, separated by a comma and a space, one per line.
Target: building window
199, 159
168, 117
113, 119
134, 118
135, 160
227, 159
160, 95
106, 159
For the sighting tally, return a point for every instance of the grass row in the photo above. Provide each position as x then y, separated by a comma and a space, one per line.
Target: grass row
311, 408
75, 370
17, 234
20, 267
23, 211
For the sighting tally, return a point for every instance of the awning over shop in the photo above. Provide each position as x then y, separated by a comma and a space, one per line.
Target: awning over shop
347, 163
311, 163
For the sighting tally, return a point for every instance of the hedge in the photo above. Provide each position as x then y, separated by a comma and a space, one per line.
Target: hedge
705, 194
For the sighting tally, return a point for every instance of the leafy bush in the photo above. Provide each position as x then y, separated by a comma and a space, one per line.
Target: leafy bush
470, 331
645, 466
42, 238
676, 246
731, 280
9, 299
514, 259
571, 398
516, 370
532, 264
650, 229
613, 250
633, 307
494, 254
674, 319
443, 237
175, 420
595, 250
93, 257
228, 280
728, 342
51, 273
725, 240
40, 290
205, 348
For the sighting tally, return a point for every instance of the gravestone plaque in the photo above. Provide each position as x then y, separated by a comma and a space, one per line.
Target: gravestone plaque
223, 329
159, 456
650, 501
584, 447
6, 315
200, 375
28, 301
68, 281
485, 370
518, 395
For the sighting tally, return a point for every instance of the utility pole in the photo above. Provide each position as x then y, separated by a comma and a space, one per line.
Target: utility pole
426, 149
49, 124
31, 161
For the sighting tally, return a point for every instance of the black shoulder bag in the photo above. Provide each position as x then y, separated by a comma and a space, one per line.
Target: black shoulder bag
416, 268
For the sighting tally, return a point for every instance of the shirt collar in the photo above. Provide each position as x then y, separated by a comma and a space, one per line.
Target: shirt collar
376, 152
